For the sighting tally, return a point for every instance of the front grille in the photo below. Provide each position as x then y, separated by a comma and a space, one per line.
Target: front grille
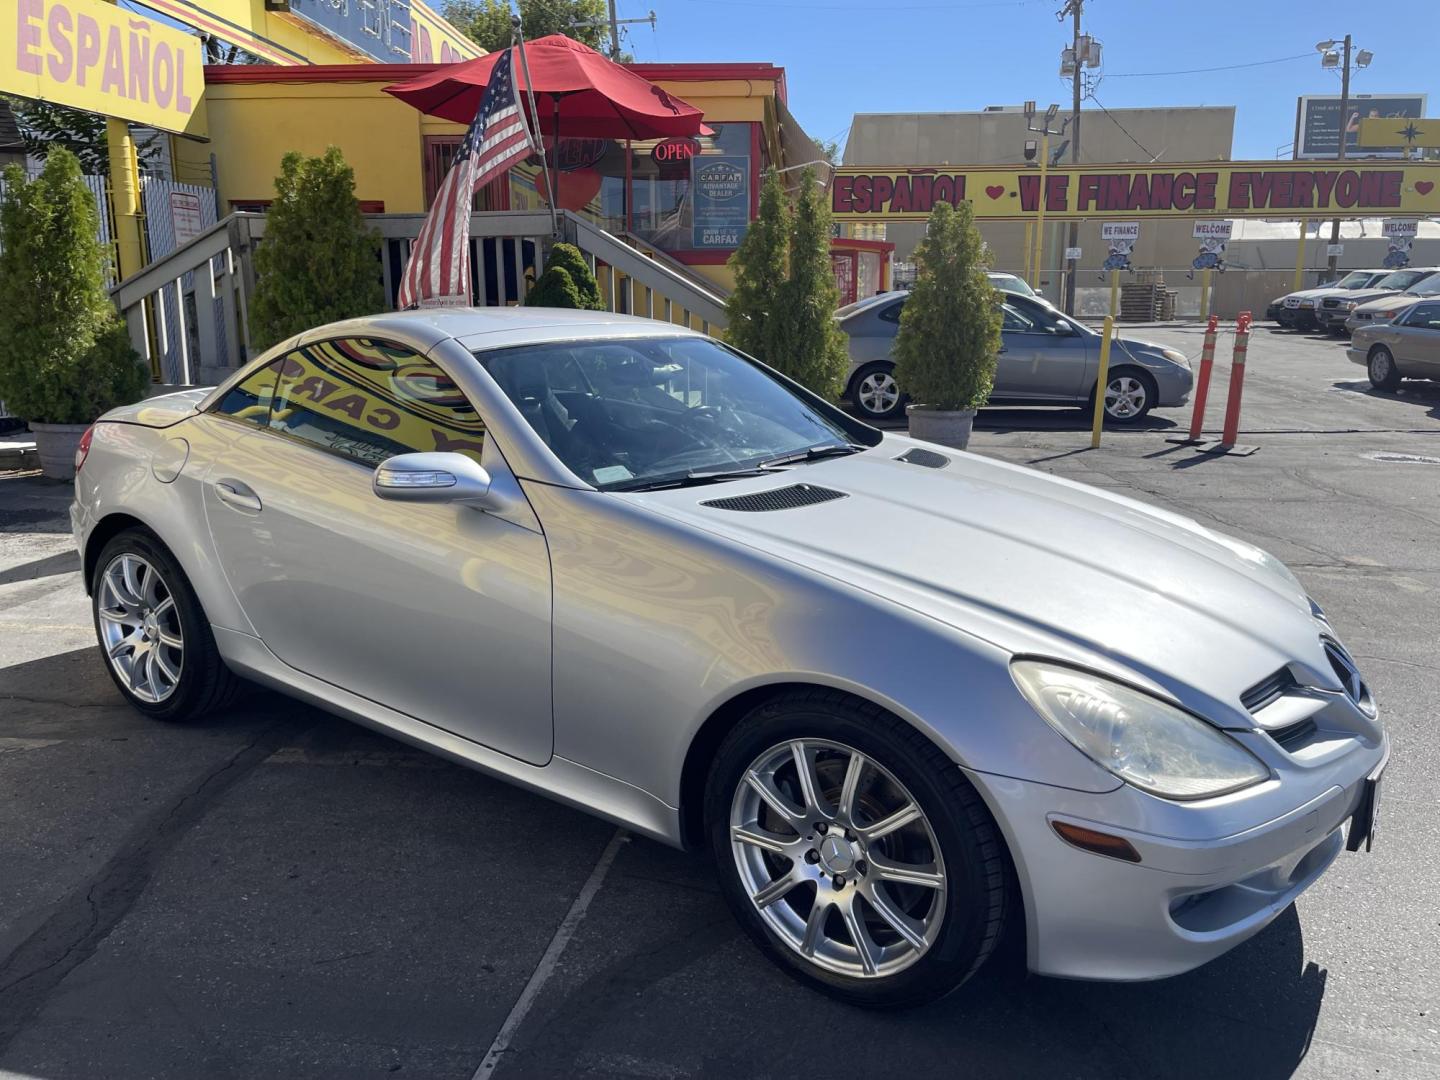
1268, 690
1294, 736
1349, 675
785, 498
1332, 302
925, 458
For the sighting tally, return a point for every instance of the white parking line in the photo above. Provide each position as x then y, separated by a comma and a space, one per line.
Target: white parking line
551, 958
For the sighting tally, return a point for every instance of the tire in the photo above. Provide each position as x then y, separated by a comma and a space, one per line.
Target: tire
144, 607
1134, 392
875, 393
1380, 366
951, 923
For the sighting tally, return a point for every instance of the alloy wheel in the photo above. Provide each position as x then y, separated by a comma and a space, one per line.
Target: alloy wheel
1380, 366
140, 628
838, 858
1125, 397
878, 393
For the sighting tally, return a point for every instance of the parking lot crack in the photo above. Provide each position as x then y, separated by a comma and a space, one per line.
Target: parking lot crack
84, 919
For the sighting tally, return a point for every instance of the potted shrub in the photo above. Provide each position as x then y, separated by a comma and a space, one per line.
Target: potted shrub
566, 283
949, 330
65, 356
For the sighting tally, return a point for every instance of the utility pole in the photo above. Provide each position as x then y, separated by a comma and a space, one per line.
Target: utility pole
613, 24
614, 33
1344, 123
1074, 8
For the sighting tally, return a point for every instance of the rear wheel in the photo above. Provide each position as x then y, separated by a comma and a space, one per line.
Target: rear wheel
1380, 366
853, 851
876, 394
157, 643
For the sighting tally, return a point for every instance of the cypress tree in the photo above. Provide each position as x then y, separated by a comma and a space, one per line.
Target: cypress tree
579, 288
318, 262
759, 267
950, 329
65, 356
803, 339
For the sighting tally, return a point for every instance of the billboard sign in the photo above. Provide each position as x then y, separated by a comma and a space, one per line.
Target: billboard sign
100, 58
1231, 189
1120, 238
1318, 123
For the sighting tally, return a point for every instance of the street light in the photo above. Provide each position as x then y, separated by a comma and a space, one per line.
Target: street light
1330, 59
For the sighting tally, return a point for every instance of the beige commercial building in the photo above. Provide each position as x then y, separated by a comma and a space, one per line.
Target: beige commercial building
997, 136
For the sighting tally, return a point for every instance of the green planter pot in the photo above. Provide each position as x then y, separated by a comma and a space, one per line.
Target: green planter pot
55, 445
946, 427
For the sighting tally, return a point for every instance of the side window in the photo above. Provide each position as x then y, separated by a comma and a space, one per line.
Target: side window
891, 312
369, 400
1424, 317
249, 399
1016, 322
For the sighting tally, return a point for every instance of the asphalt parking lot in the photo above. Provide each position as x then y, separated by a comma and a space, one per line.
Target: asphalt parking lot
279, 893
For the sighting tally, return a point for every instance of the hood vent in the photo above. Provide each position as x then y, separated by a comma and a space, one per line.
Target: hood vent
785, 498
927, 459
1268, 690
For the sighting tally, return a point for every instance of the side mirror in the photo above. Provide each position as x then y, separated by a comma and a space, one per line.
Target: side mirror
433, 478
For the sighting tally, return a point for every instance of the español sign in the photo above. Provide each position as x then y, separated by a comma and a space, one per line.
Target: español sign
1229, 190
102, 59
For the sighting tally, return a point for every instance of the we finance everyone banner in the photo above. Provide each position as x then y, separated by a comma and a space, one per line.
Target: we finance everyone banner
1229, 190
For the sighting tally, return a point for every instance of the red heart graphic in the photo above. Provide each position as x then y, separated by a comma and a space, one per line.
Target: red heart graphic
999, 189
1424, 187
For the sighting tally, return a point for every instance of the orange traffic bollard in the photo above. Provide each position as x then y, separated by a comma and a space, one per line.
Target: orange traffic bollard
1226, 445
1202, 384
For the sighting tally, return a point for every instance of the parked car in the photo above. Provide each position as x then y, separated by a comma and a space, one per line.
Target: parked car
1387, 307
1046, 358
1334, 310
1405, 347
1296, 310
903, 694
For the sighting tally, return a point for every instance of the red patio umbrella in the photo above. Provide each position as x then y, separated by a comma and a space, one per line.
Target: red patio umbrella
588, 96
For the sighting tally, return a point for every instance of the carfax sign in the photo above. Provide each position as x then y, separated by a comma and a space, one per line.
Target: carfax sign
1229, 190
102, 59
722, 200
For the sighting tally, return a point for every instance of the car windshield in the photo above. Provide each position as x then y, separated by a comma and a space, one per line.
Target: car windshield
1429, 285
656, 412
1400, 279
1012, 284
1358, 279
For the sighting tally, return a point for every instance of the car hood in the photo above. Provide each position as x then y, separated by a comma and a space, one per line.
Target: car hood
1361, 296
1036, 564
1389, 302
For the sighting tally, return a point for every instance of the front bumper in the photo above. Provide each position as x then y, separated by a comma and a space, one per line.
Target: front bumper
1357, 356
1190, 898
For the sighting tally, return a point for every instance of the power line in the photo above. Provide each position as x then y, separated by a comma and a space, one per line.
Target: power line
1143, 148
870, 7
1199, 71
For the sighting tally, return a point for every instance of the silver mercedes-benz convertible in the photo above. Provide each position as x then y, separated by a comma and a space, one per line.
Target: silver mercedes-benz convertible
907, 696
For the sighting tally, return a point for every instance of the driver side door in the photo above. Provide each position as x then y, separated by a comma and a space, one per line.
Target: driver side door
438, 611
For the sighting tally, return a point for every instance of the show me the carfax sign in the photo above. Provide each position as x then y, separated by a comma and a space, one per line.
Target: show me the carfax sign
102, 59
1098, 192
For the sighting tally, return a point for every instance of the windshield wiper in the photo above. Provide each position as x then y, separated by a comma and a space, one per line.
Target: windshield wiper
813, 453
694, 478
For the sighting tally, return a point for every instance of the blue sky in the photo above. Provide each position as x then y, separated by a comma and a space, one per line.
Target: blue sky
848, 56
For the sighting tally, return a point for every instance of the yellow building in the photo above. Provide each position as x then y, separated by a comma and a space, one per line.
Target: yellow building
690, 199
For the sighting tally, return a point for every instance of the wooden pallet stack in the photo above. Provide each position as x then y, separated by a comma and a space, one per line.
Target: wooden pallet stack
1145, 299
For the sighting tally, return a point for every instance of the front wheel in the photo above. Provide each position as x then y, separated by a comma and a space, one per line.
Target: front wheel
853, 852
1380, 366
876, 394
1129, 396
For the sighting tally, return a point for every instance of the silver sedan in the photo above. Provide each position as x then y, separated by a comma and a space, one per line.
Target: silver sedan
1046, 358
910, 699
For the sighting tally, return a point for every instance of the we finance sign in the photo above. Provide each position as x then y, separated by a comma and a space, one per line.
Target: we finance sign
1231, 190
99, 58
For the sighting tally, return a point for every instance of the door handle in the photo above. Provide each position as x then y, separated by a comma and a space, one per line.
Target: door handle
237, 495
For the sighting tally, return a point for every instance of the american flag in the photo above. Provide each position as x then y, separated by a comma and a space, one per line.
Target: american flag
438, 273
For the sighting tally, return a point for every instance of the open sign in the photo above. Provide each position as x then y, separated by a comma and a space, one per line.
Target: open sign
669, 150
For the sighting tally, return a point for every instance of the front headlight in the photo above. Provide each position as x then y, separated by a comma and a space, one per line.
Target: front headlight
1141, 739
1175, 356
1307, 303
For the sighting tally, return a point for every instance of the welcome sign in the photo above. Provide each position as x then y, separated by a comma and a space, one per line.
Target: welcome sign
99, 58
1229, 190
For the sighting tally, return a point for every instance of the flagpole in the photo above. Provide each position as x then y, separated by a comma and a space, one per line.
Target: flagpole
517, 34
